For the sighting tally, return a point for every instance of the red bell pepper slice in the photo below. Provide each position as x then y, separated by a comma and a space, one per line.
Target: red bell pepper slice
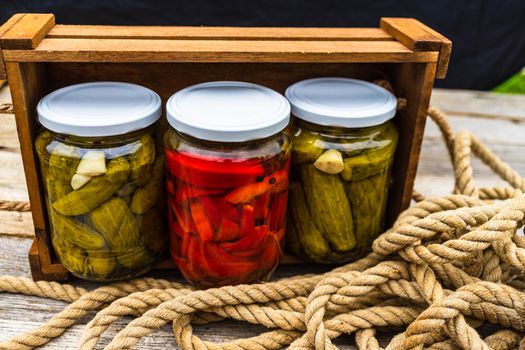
247, 220
228, 231
271, 252
228, 210
179, 239
194, 267
225, 265
212, 211
250, 243
212, 172
201, 221
244, 194
185, 192
183, 218
278, 210
261, 206
280, 234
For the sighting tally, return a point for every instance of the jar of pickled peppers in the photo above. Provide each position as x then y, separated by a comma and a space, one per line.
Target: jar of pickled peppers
228, 158
343, 147
103, 174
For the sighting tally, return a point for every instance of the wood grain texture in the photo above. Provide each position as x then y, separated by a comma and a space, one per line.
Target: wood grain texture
3, 29
26, 84
418, 37
141, 50
28, 31
217, 33
414, 82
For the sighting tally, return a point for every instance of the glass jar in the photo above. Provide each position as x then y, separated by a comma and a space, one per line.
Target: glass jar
343, 149
228, 159
103, 174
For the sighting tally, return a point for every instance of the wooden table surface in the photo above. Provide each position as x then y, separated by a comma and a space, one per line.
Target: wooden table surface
498, 120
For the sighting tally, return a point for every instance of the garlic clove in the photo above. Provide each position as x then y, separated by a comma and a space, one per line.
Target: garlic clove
77, 181
330, 162
92, 164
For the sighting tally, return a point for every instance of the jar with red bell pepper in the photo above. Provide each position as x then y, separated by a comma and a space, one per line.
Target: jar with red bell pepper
228, 159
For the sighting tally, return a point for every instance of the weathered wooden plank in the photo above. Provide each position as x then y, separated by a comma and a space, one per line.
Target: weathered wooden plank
139, 50
28, 31
418, 37
480, 104
216, 33
4, 28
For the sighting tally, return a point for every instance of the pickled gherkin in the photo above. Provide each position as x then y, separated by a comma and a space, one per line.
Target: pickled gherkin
117, 223
303, 228
306, 148
101, 264
85, 199
95, 233
145, 197
142, 159
368, 200
329, 207
333, 215
63, 162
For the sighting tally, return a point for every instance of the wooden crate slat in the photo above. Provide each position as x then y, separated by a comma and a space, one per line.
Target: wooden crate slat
4, 28
140, 50
217, 33
28, 32
418, 37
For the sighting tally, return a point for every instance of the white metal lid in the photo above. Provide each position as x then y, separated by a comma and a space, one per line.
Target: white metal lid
341, 102
99, 109
228, 111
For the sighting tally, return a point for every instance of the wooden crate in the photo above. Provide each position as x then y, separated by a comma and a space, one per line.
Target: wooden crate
38, 57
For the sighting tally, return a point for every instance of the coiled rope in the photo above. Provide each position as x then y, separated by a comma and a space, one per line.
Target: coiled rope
447, 266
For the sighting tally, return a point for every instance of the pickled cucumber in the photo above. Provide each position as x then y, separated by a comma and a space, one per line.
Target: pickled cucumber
293, 244
79, 234
307, 147
87, 198
145, 197
63, 162
141, 161
100, 263
366, 164
43, 144
311, 240
135, 258
115, 221
56, 189
72, 257
329, 207
368, 200
118, 171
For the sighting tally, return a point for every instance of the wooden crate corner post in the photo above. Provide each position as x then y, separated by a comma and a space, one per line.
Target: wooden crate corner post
38, 57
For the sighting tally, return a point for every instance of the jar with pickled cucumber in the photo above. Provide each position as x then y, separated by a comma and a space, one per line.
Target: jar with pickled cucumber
343, 148
228, 158
102, 168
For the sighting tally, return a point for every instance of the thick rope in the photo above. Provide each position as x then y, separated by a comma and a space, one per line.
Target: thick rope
14, 206
447, 265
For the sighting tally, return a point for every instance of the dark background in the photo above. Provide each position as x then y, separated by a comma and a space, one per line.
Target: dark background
488, 35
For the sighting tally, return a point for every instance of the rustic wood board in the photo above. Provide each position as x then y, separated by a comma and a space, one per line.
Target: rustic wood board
497, 120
